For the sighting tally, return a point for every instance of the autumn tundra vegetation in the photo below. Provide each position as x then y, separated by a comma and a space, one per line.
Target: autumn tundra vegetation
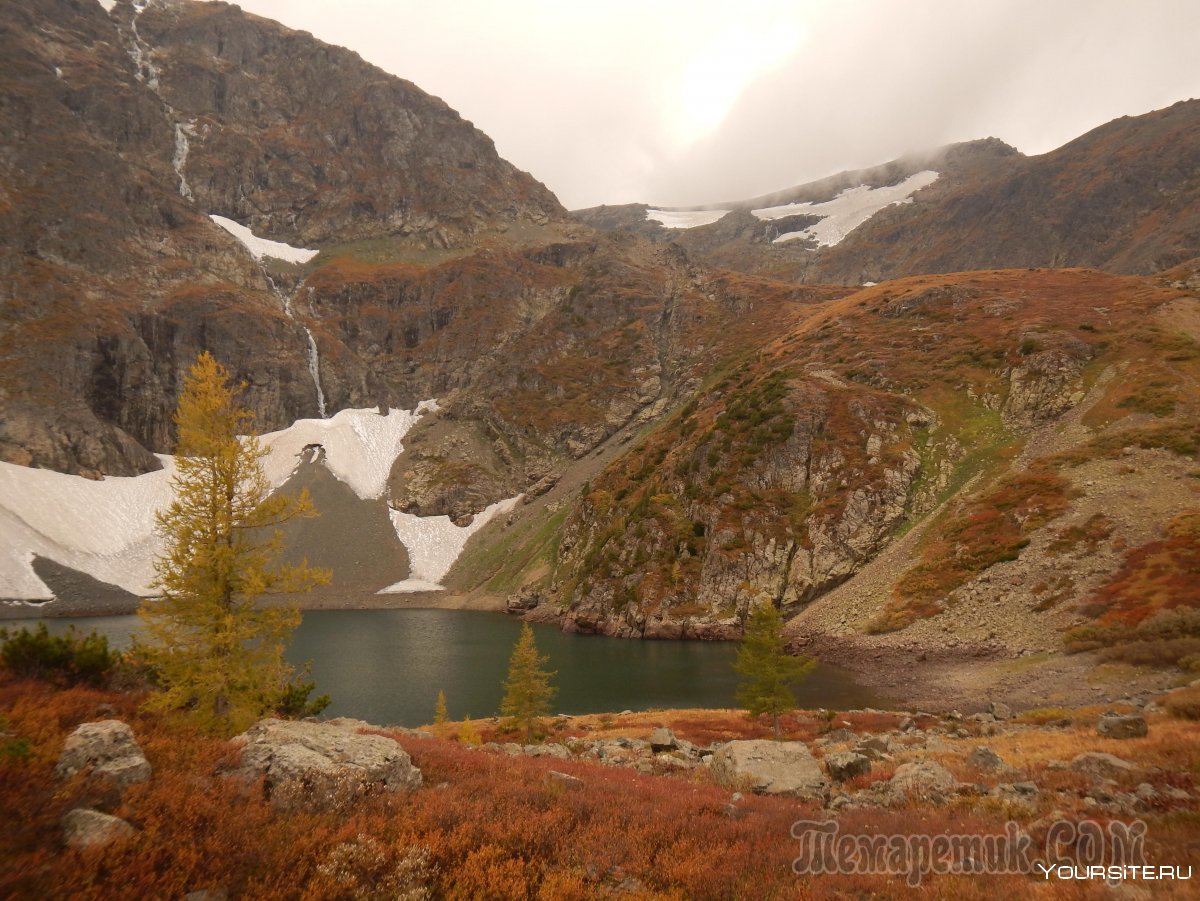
955, 451
602, 805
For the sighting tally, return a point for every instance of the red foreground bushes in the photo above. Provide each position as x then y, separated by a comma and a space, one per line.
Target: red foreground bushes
485, 826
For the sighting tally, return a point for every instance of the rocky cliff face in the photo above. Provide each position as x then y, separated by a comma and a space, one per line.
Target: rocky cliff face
122, 133
795, 471
778, 489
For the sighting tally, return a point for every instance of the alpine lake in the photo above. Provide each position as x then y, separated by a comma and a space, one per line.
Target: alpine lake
387, 666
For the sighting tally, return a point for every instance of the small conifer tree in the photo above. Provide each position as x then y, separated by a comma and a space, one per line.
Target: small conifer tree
527, 692
218, 656
769, 670
468, 733
440, 716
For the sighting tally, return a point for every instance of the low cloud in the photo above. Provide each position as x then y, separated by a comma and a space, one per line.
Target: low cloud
594, 99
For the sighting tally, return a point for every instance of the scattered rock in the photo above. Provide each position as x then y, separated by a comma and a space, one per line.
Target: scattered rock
874, 746
985, 758
1118, 725
109, 748
922, 779
1000, 711
84, 828
299, 755
565, 780
1102, 766
663, 739
560, 752
524, 601
770, 767
844, 765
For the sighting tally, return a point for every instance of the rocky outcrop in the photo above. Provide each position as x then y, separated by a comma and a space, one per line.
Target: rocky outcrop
778, 492
306, 762
984, 758
1046, 384
770, 767
108, 750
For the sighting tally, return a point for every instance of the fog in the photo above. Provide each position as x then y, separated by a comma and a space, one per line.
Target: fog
678, 103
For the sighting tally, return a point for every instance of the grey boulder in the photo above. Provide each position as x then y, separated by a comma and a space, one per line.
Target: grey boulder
304, 754
84, 828
924, 779
1102, 766
109, 748
770, 768
1117, 725
663, 739
843, 765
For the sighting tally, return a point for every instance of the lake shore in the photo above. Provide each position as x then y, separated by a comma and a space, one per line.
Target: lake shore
965, 679
83, 606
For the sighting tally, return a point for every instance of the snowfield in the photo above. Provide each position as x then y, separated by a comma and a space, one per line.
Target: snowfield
261, 247
434, 543
106, 528
360, 446
846, 212
684, 218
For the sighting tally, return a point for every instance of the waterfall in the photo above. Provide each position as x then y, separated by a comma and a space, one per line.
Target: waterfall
311, 351
146, 72
182, 131
314, 369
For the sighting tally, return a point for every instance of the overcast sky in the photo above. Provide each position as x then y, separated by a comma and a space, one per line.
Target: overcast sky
679, 102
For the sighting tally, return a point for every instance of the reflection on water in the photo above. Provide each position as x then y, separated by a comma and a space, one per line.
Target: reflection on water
387, 666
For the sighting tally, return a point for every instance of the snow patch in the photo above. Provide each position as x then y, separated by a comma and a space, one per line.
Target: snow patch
684, 218
262, 247
107, 4
360, 446
434, 543
850, 209
106, 528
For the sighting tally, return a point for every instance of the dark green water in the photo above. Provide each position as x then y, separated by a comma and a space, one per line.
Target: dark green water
387, 666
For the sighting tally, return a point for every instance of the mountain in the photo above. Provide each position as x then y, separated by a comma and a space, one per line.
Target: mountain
1123, 197
123, 132
609, 424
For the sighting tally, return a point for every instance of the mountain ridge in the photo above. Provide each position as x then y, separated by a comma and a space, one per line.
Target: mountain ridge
1121, 197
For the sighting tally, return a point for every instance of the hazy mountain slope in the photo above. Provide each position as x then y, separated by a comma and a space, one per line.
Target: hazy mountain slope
1122, 197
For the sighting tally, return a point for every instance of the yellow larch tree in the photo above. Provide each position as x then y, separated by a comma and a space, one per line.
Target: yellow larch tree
217, 653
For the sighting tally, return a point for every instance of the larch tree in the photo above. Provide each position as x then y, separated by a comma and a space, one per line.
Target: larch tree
769, 671
217, 654
527, 692
441, 717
